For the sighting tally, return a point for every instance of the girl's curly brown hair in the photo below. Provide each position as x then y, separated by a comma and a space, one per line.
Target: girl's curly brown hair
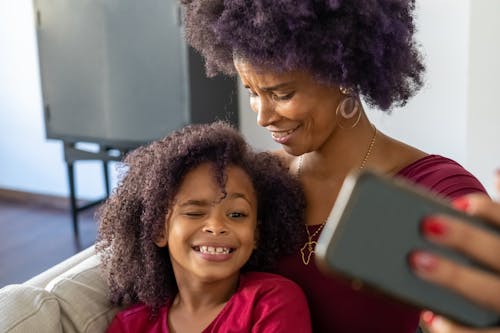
135, 268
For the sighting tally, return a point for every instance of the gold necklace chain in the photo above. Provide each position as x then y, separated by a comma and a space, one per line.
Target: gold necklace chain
370, 148
308, 249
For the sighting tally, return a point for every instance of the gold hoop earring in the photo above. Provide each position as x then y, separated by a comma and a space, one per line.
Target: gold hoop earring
347, 109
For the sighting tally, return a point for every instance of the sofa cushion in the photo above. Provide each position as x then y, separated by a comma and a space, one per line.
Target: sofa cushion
28, 309
82, 295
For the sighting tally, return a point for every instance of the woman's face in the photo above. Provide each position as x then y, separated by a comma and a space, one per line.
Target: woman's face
297, 110
210, 238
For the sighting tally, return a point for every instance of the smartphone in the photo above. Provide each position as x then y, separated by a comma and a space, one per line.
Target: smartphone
372, 228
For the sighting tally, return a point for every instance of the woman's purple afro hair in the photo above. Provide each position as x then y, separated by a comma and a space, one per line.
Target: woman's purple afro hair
366, 45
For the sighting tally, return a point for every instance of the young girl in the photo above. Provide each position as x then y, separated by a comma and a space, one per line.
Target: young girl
194, 218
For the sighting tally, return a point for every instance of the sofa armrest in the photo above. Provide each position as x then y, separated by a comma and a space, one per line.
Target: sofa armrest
71, 297
82, 295
42, 279
28, 309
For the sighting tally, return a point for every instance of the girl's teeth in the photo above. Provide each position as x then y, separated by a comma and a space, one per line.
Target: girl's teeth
213, 250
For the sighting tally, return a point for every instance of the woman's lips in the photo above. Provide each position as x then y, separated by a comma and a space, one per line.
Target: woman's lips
284, 136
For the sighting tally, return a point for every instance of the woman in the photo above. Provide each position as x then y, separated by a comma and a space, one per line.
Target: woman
305, 65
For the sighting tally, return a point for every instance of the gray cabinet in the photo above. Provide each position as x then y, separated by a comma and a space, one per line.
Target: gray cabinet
118, 72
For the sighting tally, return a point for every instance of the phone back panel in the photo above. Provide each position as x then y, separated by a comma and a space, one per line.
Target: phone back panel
370, 232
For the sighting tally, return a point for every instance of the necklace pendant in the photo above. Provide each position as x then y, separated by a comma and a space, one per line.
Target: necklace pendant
307, 251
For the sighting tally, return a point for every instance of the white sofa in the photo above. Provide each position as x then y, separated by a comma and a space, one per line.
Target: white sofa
69, 297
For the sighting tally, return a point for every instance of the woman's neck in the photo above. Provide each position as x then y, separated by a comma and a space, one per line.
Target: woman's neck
324, 170
345, 150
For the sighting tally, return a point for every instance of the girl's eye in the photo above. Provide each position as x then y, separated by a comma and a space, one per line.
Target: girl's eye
237, 215
194, 214
278, 98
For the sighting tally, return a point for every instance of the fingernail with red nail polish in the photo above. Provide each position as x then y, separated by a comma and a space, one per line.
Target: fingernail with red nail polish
433, 227
427, 317
422, 261
461, 204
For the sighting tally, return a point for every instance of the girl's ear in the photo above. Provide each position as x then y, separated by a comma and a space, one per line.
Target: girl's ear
162, 239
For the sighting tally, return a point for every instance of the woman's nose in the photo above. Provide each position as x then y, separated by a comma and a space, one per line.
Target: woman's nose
266, 114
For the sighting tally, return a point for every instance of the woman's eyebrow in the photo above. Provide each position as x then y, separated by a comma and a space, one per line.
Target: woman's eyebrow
271, 88
277, 86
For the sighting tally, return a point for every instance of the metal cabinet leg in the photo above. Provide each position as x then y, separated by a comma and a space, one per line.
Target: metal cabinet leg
73, 154
72, 194
106, 177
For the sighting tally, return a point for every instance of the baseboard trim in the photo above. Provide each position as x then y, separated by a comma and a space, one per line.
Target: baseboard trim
38, 199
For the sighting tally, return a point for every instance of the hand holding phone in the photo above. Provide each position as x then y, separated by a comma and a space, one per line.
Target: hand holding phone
374, 225
477, 285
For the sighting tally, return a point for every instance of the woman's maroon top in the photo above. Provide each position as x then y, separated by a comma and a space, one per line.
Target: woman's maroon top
337, 308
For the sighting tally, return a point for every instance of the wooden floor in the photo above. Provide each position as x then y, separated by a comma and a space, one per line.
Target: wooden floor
34, 237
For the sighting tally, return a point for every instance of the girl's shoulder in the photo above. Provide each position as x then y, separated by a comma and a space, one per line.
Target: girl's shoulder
261, 284
138, 318
264, 302
250, 278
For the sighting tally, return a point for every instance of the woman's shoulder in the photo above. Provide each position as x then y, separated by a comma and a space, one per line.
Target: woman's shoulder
432, 166
441, 175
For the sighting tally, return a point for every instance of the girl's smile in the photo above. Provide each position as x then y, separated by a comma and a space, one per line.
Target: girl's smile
214, 253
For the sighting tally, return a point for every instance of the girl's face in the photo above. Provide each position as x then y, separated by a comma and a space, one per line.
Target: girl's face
297, 110
210, 239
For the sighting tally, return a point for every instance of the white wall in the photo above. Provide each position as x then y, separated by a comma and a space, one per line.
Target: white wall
483, 117
454, 115
435, 119
28, 161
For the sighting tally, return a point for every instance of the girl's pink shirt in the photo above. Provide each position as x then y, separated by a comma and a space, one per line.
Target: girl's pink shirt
264, 302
